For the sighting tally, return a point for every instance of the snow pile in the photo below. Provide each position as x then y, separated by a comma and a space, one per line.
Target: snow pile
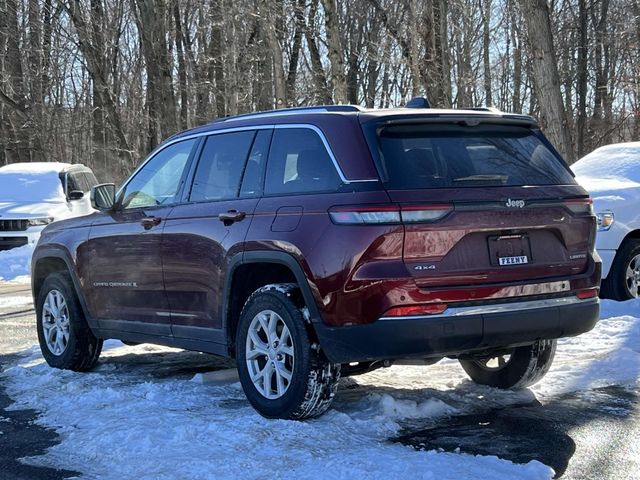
20, 181
116, 423
608, 355
400, 409
15, 264
617, 161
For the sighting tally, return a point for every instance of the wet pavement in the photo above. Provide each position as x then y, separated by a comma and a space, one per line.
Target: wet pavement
583, 435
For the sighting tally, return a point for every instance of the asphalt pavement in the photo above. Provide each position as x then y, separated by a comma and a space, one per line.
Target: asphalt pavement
584, 435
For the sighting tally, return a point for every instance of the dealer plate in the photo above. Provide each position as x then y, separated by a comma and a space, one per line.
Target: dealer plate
519, 260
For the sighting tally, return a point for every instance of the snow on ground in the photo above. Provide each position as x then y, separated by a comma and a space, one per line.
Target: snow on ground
15, 264
16, 301
137, 416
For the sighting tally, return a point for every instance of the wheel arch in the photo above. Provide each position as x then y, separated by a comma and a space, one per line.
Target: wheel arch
633, 234
249, 271
46, 261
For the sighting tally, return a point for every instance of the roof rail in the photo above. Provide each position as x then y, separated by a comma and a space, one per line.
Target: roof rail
293, 111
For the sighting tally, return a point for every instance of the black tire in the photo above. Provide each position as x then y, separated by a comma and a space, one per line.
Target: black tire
615, 285
525, 366
82, 348
314, 380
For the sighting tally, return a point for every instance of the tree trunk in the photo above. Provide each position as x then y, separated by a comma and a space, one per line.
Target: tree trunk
445, 54
268, 29
598, 123
582, 78
182, 68
334, 46
294, 59
322, 90
486, 38
545, 75
516, 40
152, 18
216, 58
94, 54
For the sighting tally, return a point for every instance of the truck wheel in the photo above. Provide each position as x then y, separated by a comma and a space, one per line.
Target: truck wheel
282, 373
66, 341
520, 367
623, 281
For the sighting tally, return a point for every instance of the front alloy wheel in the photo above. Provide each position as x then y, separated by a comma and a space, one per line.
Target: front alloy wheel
632, 277
66, 341
55, 322
270, 354
623, 281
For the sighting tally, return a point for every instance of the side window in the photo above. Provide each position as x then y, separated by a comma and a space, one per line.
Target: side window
90, 180
221, 165
158, 182
73, 182
252, 178
299, 163
82, 181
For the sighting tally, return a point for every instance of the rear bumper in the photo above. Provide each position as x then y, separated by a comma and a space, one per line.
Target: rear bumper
459, 330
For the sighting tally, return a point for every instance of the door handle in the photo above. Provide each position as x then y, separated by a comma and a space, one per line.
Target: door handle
150, 222
228, 218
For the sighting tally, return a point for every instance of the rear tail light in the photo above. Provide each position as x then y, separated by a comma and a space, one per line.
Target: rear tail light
587, 293
365, 215
580, 205
424, 213
412, 310
389, 214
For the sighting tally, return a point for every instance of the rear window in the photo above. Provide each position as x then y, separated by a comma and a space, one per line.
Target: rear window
425, 156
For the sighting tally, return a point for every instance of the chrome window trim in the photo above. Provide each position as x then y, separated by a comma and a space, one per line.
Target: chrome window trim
499, 308
319, 132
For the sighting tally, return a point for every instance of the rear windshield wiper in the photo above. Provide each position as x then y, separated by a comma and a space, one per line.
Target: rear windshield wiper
502, 179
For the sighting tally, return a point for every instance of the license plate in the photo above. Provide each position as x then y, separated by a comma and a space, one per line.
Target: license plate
520, 260
508, 250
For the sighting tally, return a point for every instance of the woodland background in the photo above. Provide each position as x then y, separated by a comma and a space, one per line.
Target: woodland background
102, 82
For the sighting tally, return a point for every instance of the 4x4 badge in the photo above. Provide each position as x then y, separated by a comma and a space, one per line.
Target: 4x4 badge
515, 203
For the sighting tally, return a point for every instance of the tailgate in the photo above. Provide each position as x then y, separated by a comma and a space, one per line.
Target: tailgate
508, 238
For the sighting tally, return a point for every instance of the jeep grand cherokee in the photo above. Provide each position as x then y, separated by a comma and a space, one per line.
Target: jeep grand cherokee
313, 242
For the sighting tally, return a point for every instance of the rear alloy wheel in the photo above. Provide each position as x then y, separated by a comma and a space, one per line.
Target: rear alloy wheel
623, 281
515, 368
270, 355
283, 374
66, 341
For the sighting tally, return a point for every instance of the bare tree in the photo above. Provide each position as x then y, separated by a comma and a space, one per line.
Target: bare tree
545, 75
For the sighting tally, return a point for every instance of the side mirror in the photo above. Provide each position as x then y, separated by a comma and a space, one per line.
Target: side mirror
103, 197
76, 195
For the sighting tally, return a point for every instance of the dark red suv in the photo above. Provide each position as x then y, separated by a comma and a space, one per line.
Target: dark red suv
314, 242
